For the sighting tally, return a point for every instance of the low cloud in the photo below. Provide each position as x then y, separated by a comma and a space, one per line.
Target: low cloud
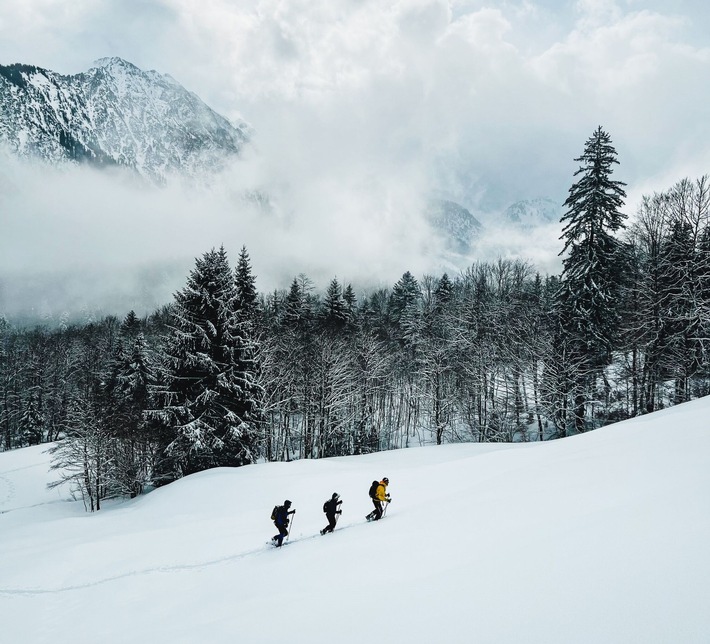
361, 110
76, 239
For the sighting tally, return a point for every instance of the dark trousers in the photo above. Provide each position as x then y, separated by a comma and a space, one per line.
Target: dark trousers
283, 531
331, 524
377, 512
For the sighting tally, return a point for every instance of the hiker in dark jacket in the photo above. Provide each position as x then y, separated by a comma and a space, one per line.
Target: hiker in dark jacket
331, 510
281, 522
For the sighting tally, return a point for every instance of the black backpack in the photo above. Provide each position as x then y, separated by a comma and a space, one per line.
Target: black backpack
273, 512
373, 489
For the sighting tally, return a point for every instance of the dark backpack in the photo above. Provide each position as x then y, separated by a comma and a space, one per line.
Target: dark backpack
273, 512
373, 489
326, 505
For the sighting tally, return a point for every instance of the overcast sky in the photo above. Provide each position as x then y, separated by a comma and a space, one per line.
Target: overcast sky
361, 108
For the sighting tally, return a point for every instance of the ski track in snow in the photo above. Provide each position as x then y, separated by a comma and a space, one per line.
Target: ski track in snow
7, 492
130, 573
34, 505
28, 592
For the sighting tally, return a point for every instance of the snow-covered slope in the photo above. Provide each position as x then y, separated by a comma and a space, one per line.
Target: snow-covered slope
113, 114
600, 538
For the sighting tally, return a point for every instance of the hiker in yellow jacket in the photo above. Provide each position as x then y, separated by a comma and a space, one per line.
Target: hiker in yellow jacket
379, 496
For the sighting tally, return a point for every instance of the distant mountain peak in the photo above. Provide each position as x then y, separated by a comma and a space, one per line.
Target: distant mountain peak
114, 114
529, 213
454, 224
114, 61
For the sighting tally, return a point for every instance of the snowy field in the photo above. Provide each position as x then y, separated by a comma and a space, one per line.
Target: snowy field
600, 538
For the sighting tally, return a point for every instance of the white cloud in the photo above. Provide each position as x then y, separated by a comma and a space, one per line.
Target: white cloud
595, 13
362, 107
612, 56
483, 29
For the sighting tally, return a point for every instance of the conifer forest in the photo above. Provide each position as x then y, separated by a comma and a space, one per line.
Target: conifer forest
225, 376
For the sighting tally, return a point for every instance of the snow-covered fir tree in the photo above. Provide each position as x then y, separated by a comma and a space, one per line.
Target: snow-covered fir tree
404, 308
208, 411
32, 421
588, 298
131, 324
350, 300
247, 348
438, 352
246, 301
334, 312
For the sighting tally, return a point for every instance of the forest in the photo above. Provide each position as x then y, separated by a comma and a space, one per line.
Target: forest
226, 376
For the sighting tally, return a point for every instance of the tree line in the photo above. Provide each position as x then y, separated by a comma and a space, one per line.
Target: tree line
225, 376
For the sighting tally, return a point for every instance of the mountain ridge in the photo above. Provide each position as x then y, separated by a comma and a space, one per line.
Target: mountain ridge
114, 114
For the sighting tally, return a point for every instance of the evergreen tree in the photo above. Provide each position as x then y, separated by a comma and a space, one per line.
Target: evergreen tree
588, 299
334, 313
405, 307
207, 410
294, 313
350, 305
438, 355
443, 293
246, 303
404, 312
32, 421
131, 324
247, 348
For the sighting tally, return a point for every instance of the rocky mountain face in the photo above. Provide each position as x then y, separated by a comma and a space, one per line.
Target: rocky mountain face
466, 237
114, 114
533, 212
454, 223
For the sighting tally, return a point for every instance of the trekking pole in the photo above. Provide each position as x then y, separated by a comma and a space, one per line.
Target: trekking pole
288, 532
385, 510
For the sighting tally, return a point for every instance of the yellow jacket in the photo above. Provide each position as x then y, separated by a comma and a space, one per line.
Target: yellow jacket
381, 491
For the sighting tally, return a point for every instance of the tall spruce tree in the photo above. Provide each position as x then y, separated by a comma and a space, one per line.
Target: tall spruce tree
438, 349
334, 313
207, 408
404, 308
246, 303
588, 298
350, 304
248, 354
32, 421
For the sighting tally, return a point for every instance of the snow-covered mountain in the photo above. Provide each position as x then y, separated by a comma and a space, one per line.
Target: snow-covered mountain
455, 224
113, 114
531, 213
